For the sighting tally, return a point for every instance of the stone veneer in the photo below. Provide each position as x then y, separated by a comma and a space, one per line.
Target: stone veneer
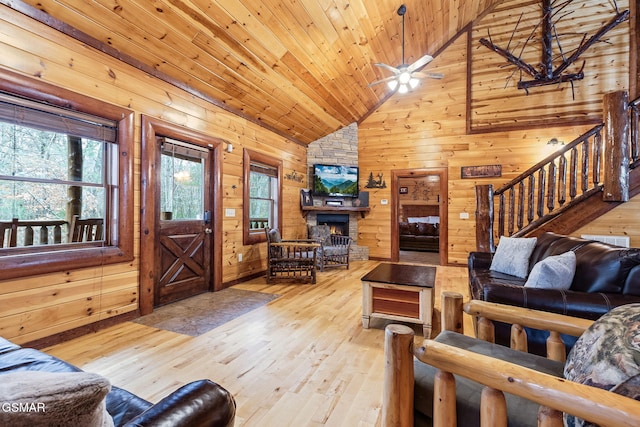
338, 148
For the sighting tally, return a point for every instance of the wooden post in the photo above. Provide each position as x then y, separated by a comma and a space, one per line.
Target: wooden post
397, 391
486, 330
519, 338
556, 349
493, 408
484, 218
444, 400
616, 147
548, 417
451, 315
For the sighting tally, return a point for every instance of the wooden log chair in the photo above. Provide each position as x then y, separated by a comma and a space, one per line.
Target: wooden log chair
465, 381
334, 248
290, 260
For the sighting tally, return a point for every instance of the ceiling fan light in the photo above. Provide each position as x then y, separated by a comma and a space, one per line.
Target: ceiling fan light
403, 88
392, 84
404, 77
414, 83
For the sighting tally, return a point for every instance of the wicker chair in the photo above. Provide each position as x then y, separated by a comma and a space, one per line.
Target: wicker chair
334, 248
290, 260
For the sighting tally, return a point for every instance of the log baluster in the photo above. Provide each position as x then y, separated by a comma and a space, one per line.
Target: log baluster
573, 177
520, 205
57, 234
501, 215
585, 166
531, 198
512, 201
28, 236
44, 235
562, 180
542, 181
597, 158
551, 186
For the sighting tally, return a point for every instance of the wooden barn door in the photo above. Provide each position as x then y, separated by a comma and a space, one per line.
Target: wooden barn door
184, 238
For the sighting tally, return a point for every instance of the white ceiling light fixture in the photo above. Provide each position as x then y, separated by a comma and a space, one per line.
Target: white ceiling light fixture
406, 77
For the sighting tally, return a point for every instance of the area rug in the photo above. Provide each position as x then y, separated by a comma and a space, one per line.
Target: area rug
199, 314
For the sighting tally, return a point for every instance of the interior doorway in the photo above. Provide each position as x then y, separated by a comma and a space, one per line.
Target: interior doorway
419, 216
180, 233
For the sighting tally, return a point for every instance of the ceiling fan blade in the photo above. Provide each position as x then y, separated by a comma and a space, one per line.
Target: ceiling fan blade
388, 67
421, 62
386, 79
424, 75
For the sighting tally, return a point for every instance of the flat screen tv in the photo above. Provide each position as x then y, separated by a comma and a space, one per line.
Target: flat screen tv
335, 180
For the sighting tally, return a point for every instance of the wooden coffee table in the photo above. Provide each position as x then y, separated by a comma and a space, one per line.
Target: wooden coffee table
402, 292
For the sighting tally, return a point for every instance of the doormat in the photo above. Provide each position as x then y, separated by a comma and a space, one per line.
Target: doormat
199, 314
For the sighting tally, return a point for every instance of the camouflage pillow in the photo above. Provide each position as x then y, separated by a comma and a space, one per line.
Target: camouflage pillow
606, 356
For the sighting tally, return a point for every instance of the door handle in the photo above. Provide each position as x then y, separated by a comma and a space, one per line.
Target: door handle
208, 230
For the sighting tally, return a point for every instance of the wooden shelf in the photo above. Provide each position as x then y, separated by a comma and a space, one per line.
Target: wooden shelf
307, 209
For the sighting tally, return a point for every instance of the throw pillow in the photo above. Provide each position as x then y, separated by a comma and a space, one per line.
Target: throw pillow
512, 255
554, 272
47, 399
606, 356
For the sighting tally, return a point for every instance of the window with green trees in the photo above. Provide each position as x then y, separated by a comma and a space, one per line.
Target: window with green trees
262, 195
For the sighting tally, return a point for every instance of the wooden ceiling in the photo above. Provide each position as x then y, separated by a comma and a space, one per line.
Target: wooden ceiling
298, 67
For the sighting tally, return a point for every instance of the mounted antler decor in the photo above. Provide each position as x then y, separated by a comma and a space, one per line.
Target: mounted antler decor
546, 74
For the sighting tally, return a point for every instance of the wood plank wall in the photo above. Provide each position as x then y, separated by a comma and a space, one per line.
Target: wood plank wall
39, 306
427, 128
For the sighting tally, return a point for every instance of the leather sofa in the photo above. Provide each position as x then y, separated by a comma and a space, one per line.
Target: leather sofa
199, 403
606, 276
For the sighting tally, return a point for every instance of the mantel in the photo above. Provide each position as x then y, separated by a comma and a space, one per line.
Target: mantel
307, 209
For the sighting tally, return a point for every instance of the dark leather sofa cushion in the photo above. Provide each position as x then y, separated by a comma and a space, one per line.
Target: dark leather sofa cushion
601, 268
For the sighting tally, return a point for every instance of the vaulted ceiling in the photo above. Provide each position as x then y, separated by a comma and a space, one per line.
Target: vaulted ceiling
299, 67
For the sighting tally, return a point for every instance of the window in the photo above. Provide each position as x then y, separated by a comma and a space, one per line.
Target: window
55, 173
262, 196
65, 184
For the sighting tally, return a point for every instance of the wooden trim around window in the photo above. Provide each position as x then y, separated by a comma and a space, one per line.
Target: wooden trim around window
249, 156
43, 261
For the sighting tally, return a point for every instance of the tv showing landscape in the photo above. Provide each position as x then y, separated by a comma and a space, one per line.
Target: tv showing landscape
335, 180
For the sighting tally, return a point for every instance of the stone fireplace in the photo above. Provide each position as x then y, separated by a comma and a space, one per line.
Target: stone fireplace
341, 147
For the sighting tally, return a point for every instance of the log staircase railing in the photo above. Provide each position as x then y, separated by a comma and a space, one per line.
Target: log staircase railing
597, 161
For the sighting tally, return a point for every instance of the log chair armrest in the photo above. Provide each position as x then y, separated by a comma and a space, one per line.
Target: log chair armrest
200, 403
596, 405
527, 317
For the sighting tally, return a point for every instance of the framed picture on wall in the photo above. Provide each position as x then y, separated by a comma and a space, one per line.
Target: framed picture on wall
305, 197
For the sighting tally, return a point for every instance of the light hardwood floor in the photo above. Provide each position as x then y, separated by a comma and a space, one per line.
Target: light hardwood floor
302, 360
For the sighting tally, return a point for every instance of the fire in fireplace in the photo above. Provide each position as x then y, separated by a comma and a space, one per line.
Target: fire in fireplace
338, 223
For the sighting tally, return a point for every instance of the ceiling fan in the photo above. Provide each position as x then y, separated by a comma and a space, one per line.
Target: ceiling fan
406, 76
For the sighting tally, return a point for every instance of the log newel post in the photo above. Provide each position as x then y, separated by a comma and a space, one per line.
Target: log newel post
397, 398
616, 147
484, 218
